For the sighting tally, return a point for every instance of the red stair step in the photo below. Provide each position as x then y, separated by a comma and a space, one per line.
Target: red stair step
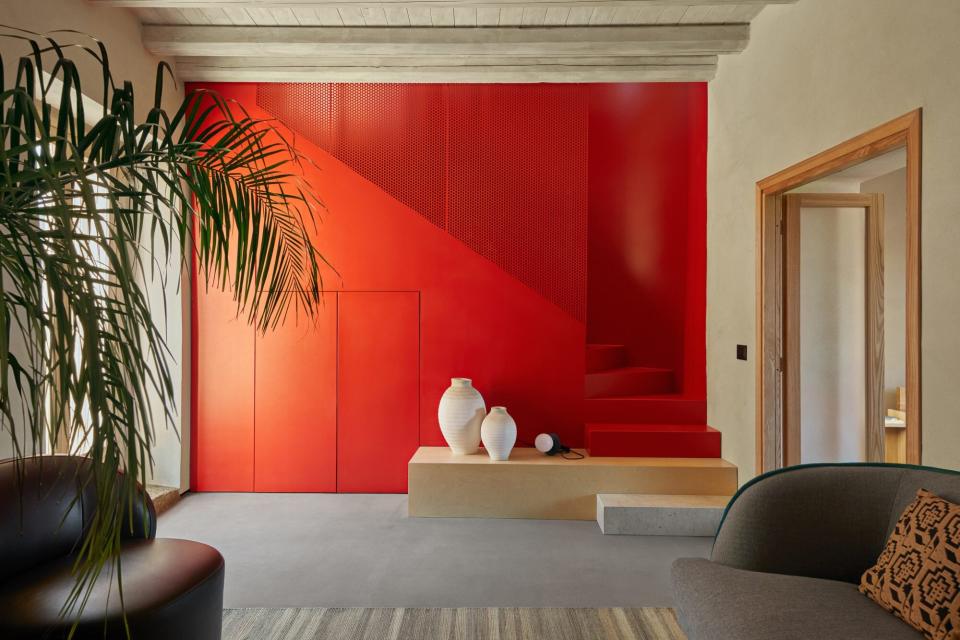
601, 357
629, 381
658, 409
653, 440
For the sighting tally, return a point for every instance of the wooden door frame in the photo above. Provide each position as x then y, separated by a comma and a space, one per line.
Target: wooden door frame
872, 204
903, 132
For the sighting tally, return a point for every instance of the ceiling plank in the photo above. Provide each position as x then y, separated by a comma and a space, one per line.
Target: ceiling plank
350, 16
488, 16
206, 4
262, 16
538, 41
239, 17
329, 16
639, 15
603, 15
195, 16
702, 15
442, 17
307, 17
672, 15
397, 17
284, 16
579, 16
465, 16
419, 16
217, 16
556, 16
511, 16
374, 16
533, 16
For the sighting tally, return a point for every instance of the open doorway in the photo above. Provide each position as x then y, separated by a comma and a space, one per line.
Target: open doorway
838, 304
833, 326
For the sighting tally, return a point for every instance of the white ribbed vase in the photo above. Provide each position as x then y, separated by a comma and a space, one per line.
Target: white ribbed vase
499, 433
460, 414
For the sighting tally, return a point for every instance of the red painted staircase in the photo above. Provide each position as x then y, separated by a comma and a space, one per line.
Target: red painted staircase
603, 357
637, 412
629, 381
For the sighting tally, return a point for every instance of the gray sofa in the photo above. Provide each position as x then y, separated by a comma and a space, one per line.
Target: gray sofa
790, 551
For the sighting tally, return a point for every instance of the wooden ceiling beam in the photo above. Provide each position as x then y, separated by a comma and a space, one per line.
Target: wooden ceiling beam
445, 61
477, 74
292, 42
449, 69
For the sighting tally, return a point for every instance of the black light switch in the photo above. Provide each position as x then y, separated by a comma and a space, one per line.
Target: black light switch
741, 352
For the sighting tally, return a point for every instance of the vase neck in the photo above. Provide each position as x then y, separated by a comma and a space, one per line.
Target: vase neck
461, 382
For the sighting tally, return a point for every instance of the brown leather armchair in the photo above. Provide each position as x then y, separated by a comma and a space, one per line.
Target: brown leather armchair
172, 589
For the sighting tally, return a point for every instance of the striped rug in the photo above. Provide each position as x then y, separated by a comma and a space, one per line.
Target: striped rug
450, 624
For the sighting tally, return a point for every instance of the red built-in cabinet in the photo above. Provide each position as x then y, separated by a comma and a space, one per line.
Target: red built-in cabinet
378, 397
223, 395
295, 442
316, 405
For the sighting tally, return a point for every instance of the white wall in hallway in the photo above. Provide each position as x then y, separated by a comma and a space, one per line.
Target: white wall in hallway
832, 335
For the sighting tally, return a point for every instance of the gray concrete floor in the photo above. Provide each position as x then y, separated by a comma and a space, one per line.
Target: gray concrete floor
350, 550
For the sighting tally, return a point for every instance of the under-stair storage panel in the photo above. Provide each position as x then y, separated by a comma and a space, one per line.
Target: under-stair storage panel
323, 404
295, 443
378, 389
223, 399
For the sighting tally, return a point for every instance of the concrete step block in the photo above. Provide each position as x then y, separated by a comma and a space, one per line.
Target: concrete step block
660, 515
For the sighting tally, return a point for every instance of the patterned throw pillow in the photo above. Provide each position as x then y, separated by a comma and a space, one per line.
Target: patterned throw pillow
917, 576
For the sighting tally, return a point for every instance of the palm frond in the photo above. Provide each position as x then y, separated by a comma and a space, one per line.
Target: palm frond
92, 204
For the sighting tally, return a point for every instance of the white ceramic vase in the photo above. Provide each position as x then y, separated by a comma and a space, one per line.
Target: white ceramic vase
499, 433
460, 414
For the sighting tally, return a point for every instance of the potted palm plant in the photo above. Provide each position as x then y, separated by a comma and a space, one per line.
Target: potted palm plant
91, 200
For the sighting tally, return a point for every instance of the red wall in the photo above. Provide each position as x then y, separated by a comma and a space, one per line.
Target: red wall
501, 168
495, 254
647, 225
